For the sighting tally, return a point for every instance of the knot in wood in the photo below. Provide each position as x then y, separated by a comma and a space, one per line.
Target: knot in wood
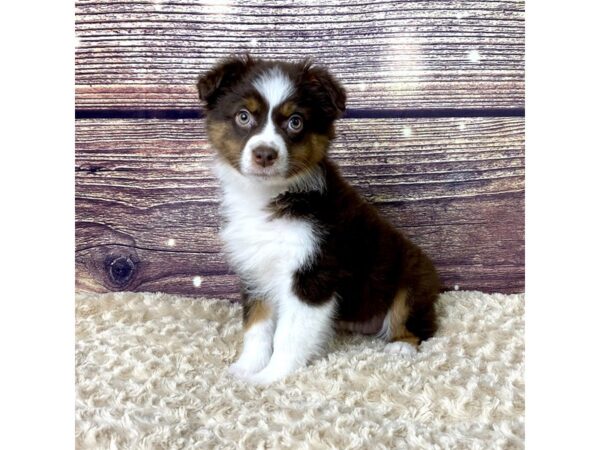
121, 270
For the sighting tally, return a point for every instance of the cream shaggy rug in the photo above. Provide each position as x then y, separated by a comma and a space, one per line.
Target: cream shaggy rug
151, 374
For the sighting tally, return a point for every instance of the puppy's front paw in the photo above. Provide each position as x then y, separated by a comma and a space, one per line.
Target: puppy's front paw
245, 367
239, 370
267, 376
401, 348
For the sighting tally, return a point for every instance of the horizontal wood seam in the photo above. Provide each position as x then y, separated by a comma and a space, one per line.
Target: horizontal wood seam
356, 113
137, 247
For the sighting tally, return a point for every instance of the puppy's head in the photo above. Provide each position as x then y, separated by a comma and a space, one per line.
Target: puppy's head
268, 119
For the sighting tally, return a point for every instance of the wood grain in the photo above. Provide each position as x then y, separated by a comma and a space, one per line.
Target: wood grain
389, 54
146, 201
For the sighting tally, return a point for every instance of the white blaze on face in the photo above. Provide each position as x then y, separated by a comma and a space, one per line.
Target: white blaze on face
275, 87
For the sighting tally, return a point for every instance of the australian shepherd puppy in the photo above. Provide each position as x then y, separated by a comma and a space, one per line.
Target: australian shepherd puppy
311, 254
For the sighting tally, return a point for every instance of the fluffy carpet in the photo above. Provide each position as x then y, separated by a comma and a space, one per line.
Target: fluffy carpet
151, 374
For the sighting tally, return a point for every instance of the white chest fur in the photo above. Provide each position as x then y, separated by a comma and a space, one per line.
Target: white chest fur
265, 251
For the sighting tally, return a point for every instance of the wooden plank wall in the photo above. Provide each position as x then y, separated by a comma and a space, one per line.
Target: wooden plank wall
434, 134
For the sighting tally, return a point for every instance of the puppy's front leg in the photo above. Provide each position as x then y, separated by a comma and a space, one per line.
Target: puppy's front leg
259, 326
302, 332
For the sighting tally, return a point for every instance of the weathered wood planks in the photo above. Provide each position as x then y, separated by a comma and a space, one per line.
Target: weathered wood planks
146, 202
392, 55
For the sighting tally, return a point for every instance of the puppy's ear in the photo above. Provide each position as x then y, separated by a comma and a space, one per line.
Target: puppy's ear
216, 81
325, 89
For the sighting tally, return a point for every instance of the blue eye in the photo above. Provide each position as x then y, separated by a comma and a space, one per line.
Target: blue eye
295, 123
243, 118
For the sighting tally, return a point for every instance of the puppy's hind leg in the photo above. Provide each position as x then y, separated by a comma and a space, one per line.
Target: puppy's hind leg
401, 340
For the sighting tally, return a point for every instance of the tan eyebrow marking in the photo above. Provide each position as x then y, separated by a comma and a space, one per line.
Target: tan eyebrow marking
252, 104
287, 109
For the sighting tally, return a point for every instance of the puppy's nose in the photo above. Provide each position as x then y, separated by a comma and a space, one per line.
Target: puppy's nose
264, 156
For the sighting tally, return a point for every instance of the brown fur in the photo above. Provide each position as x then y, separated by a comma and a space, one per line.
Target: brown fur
287, 109
362, 258
219, 133
308, 153
319, 100
368, 265
253, 104
399, 312
256, 311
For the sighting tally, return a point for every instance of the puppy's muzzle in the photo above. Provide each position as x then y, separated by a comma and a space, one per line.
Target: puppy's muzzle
264, 156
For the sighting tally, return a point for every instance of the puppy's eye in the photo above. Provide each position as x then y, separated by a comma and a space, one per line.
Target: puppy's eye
244, 118
295, 123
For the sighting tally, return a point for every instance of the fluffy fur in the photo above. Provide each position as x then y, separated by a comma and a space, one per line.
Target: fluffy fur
311, 253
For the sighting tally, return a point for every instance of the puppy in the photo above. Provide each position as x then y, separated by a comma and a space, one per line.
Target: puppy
311, 254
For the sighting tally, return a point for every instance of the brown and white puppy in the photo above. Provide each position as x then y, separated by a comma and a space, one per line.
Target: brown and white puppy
311, 253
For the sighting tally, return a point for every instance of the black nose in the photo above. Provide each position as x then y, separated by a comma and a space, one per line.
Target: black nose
264, 156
